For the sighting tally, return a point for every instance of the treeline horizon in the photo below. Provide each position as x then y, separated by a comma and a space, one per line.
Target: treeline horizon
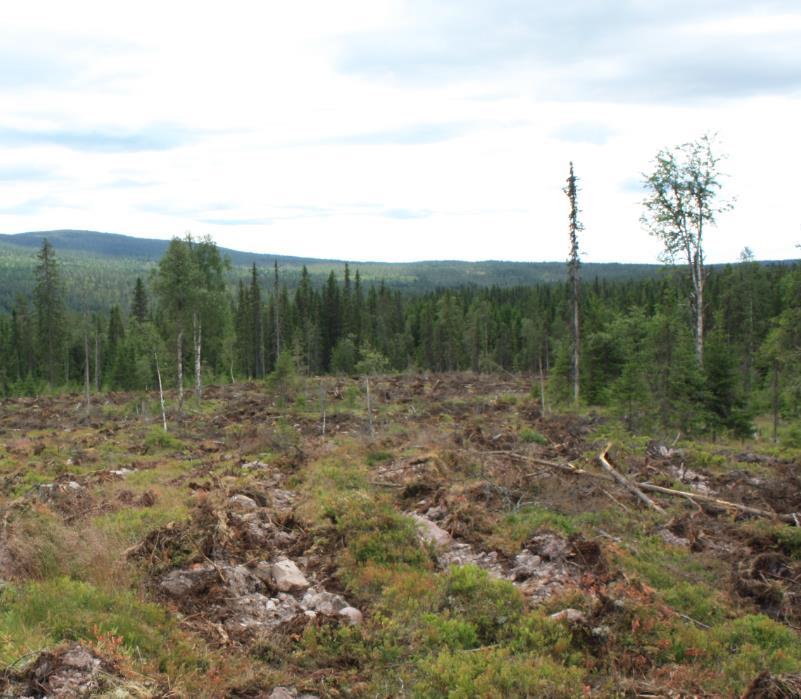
637, 347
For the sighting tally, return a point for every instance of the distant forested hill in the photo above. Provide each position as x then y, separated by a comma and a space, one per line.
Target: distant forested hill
101, 268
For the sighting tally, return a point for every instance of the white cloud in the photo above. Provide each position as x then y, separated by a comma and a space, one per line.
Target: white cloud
392, 130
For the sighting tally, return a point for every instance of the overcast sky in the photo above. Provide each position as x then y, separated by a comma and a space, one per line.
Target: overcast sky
396, 130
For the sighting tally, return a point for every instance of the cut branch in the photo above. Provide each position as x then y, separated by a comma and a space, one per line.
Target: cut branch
792, 518
603, 459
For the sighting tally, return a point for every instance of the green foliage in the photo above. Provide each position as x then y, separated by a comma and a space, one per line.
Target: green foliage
375, 532
638, 352
697, 601
790, 540
283, 380
791, 437
531, 436
378, 457
343, 357
372, 362
43, 613
492, 606
496, 673
517, 527
157, 438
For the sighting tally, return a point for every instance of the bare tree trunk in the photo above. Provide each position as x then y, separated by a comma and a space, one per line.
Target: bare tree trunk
698, 293
696, 260
276, 314
161, 393
262, 359
369, 407
179, 351
573, 264
197, 336
322, 408
86, 366
775, 401
97, 361
576, 338
542, 389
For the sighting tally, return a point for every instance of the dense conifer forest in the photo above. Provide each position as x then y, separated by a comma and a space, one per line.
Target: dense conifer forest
637, 342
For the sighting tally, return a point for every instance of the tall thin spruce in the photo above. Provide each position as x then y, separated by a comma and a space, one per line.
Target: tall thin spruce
573, 264
276, 311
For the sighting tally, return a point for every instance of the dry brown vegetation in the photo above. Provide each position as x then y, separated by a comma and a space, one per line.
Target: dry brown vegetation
453, 553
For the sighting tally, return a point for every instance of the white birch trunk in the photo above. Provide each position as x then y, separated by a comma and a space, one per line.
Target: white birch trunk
179, 350
161, 393
86, 367
197, 338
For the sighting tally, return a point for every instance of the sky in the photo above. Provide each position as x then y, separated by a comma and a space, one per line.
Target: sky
396, 130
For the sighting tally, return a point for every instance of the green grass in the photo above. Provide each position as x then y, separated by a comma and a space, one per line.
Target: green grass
39, 614
131, 524
157, 438
530, 436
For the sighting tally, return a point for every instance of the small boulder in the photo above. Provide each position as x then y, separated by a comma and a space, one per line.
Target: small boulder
549, 546
286, 576
239, 580
526, 565
571, 616
430, 532
282, 693
352, 615
179, 583
242, 503
326, 603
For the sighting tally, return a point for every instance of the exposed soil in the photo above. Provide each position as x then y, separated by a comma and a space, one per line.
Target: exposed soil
249, 568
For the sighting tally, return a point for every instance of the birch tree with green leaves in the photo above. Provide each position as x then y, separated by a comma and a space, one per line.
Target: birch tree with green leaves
682, 202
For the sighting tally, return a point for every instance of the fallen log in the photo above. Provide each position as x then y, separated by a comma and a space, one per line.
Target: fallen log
603, 459
792, 518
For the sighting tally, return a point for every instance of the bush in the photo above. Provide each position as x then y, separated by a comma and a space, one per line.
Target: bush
157, 438
496, 673
492, 606
63, 609
532, 436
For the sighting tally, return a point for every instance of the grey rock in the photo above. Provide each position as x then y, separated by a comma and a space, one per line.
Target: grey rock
549, 546
243, 503
571, 616
179, 583
526, 565
672, 540
326, 603
283, 693
286, 576
239, 580
430, 532
352, 615
258, 613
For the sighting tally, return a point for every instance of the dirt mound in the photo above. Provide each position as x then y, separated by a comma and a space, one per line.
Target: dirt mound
773, 582
767, 686
73, 671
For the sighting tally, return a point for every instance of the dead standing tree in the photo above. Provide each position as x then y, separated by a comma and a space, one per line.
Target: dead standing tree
573, 265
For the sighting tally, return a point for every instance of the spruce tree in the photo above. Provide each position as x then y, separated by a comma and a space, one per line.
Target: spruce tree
573, 264
139, 303
50, 313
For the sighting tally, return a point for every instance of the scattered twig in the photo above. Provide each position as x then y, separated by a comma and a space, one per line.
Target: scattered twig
386, 485
694, 621
615, 500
